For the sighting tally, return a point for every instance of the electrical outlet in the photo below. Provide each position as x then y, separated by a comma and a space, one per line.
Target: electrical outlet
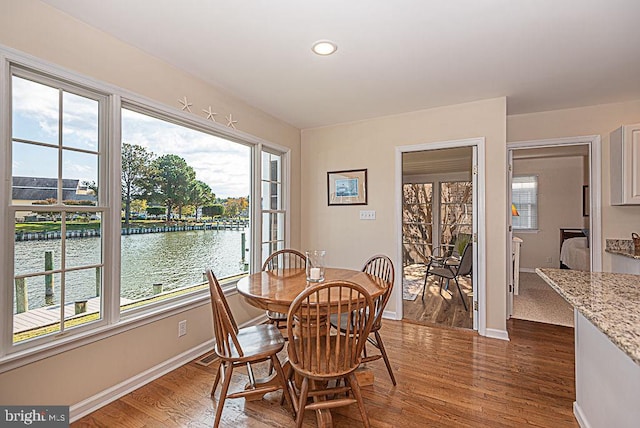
367, 215
182, 328
549, 260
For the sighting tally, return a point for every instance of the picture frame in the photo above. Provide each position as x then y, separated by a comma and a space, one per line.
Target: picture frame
348, 187
586, 201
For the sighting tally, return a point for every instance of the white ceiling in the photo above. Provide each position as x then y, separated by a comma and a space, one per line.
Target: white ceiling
393, 56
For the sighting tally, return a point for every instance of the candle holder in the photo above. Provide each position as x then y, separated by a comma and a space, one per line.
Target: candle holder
315, 265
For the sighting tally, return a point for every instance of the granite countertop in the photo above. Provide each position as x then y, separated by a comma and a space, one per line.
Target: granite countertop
622, 247
611, 301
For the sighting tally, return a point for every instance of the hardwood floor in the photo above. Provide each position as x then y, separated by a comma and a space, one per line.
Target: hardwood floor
444, 310
445, 377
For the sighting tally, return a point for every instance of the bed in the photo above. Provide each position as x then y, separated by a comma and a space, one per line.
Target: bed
574, 249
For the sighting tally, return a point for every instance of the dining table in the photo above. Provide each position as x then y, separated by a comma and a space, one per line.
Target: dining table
275, 290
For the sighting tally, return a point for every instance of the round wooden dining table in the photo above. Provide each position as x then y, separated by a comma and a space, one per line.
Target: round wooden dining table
276, 290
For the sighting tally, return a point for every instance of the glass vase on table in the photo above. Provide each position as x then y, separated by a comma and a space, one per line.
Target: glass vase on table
315, 265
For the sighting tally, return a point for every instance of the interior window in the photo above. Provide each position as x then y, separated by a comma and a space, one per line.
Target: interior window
524, 191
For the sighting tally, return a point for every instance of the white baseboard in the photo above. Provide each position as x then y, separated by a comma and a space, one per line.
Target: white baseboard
528, 270
496, 334
580, 417
91, 404
390, 315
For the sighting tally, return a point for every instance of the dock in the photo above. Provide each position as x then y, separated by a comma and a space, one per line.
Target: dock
40, 317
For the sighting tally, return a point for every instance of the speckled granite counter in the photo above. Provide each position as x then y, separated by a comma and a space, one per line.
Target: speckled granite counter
611, 301
622, 247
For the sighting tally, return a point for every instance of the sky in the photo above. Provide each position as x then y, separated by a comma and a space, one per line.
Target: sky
223, 165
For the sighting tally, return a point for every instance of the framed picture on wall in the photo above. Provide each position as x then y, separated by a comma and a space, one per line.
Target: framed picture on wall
586, 201
347, 187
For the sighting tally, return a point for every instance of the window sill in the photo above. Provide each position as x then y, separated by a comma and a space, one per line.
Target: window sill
526, 231
24, 357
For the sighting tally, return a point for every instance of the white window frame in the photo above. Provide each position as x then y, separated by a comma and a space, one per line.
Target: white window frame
12, 356
537, 208
102, 206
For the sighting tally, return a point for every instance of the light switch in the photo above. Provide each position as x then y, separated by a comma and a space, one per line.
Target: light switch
367, 215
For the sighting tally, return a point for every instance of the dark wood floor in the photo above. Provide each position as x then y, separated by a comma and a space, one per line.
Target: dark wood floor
444, 310
446, 377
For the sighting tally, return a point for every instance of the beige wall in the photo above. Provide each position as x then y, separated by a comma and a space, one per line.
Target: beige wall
371, 144
559, 206
37, 29
617, 221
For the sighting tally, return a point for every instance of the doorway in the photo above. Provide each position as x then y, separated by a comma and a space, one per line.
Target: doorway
438, 199
554, 194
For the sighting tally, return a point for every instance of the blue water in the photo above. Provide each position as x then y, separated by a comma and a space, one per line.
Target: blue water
174, 259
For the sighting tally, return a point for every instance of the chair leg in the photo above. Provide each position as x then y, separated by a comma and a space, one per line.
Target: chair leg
215, 382
355, 387
304, 392
223, 394
285, 390
424, 287
461, 296
380, 346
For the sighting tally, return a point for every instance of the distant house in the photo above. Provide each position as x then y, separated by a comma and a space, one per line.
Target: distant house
26, 190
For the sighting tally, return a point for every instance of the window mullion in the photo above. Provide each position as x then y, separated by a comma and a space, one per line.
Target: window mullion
111, 152
6, 250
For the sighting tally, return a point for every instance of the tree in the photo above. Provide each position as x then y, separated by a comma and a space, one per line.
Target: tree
200, 194
137, 175
234, 207
155, 211
173, 177
212, 210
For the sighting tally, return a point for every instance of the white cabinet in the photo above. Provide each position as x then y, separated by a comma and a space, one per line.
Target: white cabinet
623, 264
624, 145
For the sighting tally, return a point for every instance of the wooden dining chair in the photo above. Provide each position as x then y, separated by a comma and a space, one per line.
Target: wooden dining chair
382, 267
283, 259
317, 355
238, 347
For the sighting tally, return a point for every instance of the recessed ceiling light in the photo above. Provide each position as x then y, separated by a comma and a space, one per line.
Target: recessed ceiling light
324, 47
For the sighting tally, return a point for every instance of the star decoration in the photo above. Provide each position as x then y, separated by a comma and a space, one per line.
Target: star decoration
231, 122
185, 104
210, 114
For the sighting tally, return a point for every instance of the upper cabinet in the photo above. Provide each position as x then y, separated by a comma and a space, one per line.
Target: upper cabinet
625, 165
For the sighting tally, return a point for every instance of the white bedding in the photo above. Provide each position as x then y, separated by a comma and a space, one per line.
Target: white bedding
575, 254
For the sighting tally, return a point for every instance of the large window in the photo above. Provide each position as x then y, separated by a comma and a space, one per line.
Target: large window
56, 157
185, 208
100, 227
524, 191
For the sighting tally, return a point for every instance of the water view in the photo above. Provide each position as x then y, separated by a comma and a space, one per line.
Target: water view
173, 259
